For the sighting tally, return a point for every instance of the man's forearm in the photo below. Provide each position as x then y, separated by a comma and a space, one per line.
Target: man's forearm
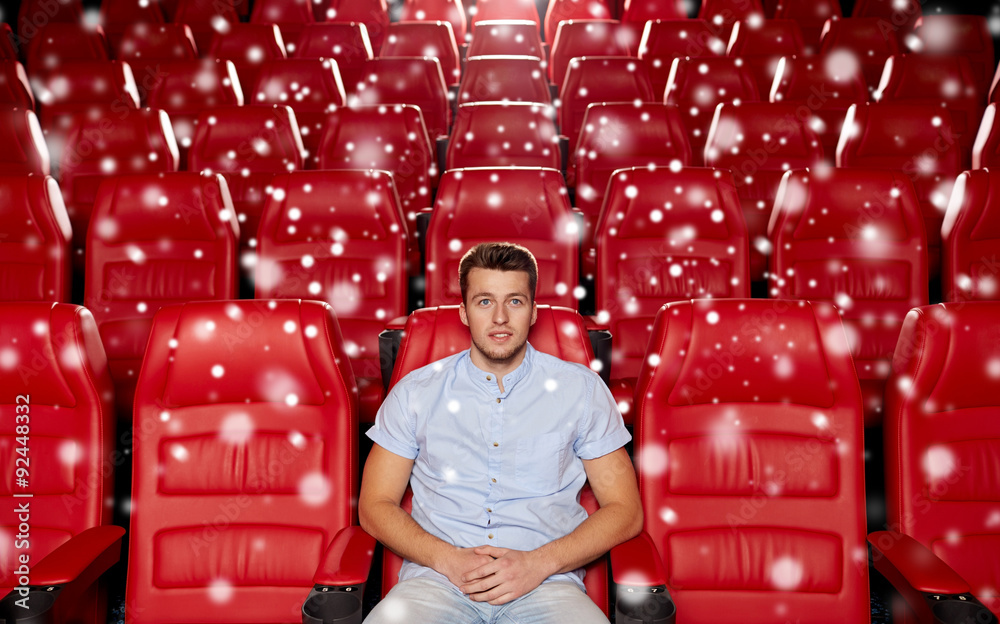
397, 530
605, 528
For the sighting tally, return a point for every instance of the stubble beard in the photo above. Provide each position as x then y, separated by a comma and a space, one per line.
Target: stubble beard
498, 356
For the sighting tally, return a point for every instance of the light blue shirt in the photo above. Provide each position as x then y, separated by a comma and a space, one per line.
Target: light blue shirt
499, 468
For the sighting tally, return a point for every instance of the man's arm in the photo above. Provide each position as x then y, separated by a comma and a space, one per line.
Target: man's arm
382, 486
515, 572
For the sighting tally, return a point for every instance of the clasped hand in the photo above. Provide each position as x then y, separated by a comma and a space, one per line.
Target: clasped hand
499, 575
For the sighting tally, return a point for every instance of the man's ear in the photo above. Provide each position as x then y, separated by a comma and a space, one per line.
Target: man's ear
462, 314
534, 313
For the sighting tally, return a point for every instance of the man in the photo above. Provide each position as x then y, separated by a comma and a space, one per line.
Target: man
496, 443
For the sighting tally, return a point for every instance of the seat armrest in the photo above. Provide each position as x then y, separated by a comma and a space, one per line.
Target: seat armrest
340, 579
934, 591
88, 553
641, 581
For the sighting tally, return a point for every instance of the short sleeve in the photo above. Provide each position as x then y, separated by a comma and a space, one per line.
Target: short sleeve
602, 429
394, 428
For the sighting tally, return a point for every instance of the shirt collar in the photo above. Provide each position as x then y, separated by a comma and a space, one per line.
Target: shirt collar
510, 380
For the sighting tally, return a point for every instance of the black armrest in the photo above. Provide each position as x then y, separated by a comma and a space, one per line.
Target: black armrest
340, 579
642, 596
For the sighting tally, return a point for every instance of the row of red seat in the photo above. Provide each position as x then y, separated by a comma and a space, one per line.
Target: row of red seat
245, 443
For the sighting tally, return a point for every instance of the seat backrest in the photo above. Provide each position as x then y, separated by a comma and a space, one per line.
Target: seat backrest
697, 85
117, 15
53, 368
291, 17
762, 43
251, 407
495, 134
898, 17
206, 18
641, 11
865, 39
26, 150
599, 79
411, 80
247, 46
506, 36
390, 138
562, 10
743, 400
450, 11
34, 251
524, 205
810, 16
967, 36
970, 238
589, 37
144, 45
58, 43
941, 403
374, 14
490, 10
503, 78
8, 49
15, 91
655, 137
345, 42
723, 14
664, 40
655, 245
425, 38
131, 274
34, 14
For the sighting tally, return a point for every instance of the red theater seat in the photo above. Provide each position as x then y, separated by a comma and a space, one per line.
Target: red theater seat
61, 43
524, 205
189, 87
970, 239
599, 79
490, 10
664, 236
425, 38
494, 134
59, 399
947, 82
752, 400
826, 87
248, 46
637, 12
413, 80
118, 15
155, 240
101, 146
940, 436
561, 10
615, 136
340, 237
959, 35
664, 40
248, 145
15, 91
34, 251
579, 38
723, 14
917, 140
8, 50
852, 237
207, 18
506, 36
450, 11
862, 41
504, 79
257, 404
311, 87
32, 15
761, 44
345, 42
290, 16
758, 142
897, 17
26, 151
147, 46
697, 85
374, 14
810, 16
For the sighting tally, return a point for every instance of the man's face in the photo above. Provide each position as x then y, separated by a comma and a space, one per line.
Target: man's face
499, 312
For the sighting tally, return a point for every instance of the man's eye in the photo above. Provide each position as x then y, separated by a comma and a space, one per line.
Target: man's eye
515, 301
484, 302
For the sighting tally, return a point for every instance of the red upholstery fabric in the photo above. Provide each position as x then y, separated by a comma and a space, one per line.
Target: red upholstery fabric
827, 87
146, 46
118, 15
247, 466
761, 44
25, 148
758, 142
970, 239
941, 435
986, 148
504, 79
32, 15
339, 237
641, 11
489, 10
8, 51
664, 235
917, 140
425, 39
592, 37
51, 354
34, 251
345, 42
412, 80
898, 16
967, 36
130, 272
599, 79
863, 41
248, 46
723, 14
506, 36
750, 463
291, 18
310, 87
450, 11
374, 14
58, 43
697, 85
947, 82
855, 238
248, 145
492, 134
561, 10
15, 91
664, 40
524, 205
810, 16
207, 19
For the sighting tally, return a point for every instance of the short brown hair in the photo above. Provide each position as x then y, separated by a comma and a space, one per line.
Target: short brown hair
498, 257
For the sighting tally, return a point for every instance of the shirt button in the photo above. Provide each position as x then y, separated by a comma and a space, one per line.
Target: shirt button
489, 378
496, 444
489, 510
498, 400
493, 480
490, 536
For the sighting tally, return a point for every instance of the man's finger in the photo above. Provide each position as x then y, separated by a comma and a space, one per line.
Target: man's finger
492, 551
483, 571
